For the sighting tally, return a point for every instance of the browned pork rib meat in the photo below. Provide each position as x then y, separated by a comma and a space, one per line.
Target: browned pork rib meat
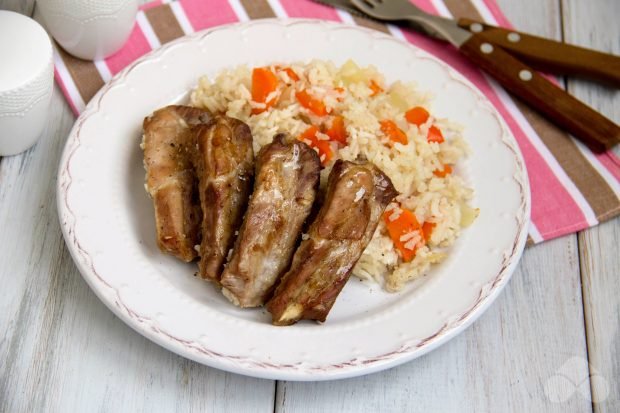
357, 194
170, 180
224, 166
286, 183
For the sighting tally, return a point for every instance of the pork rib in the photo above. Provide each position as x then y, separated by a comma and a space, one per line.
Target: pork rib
170, 180
224, 165
357, 194
287, 179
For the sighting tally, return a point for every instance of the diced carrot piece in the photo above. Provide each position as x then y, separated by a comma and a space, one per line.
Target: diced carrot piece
404, 224
441, 173
337, 131
376, 89
264, 83
434, 134
417, 115
393, 132
427, 230
309, 134
291, 73
323, 146
316, 106
325, 151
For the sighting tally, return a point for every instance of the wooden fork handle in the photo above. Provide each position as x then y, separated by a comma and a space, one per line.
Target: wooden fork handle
551, 56
577, 118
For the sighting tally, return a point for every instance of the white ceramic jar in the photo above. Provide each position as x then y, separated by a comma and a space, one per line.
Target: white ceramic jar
26, 81
89, 29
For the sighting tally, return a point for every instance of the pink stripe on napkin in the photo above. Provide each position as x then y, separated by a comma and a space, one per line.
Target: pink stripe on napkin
611, 162
296, 8
136, 46
204, 14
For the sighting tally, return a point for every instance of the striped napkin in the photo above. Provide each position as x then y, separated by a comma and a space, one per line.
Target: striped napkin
572, 188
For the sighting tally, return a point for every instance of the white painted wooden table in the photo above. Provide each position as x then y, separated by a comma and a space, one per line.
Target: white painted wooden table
550, 343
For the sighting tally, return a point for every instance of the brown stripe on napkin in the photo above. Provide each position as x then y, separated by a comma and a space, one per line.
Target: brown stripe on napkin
164, 23
586, 178
257, 9
84, 73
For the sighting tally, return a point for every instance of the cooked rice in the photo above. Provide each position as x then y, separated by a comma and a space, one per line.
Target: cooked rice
442, 201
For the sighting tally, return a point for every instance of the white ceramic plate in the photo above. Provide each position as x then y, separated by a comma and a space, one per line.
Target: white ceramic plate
107, 218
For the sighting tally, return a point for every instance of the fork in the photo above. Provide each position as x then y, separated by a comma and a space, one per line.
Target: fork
576, 117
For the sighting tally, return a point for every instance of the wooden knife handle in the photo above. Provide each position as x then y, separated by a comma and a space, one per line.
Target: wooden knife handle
577, 118
551, 56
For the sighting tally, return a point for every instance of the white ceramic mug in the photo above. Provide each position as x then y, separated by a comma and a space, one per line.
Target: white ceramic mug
89, 29
26, 81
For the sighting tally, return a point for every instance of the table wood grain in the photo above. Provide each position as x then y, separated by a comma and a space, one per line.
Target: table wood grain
550, 342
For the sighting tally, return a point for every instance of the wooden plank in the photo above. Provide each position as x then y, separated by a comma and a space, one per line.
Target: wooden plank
514, 358
596, 27
600, 264
21, 6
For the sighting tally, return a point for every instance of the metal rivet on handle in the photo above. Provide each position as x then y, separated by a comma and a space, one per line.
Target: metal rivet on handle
525, 75
514, 37
486, 48
476, 27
